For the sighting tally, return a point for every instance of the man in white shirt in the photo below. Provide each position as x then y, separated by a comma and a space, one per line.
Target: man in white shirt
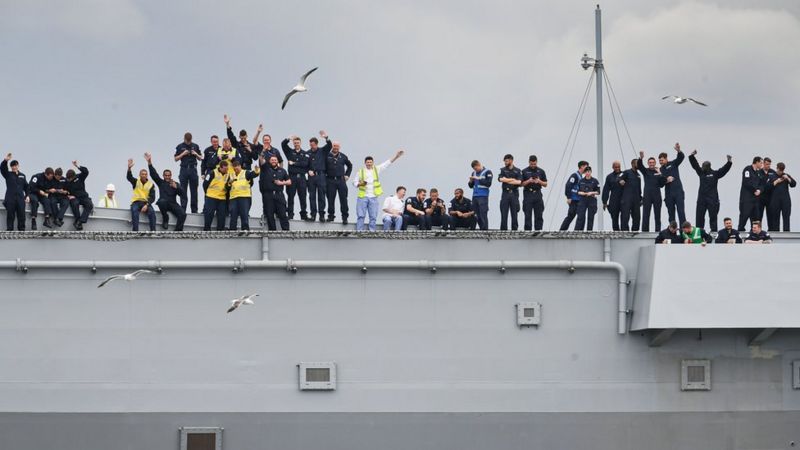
369, 189
109, 200
393, 210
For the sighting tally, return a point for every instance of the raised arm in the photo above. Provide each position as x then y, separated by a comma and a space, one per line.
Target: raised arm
153, 172
258, 133
129, 175
695, 165
724, 169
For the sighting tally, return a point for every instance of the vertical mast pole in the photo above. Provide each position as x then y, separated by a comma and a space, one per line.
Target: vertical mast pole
598, 69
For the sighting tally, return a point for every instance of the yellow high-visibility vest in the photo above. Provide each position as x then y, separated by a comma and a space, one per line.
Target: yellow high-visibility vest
141, 193
240, 186
216, 188
376, 185
231, 155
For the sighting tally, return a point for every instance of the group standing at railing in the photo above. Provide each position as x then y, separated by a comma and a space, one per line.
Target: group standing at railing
317, 176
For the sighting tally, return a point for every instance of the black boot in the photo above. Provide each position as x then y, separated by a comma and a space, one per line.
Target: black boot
165, 222
78, 225
33, 224
47, 222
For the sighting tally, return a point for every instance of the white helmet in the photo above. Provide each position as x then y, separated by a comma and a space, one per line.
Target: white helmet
111, 187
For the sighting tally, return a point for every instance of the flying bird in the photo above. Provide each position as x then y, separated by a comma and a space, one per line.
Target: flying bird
301, 87
243, 300
682, 100
127, 277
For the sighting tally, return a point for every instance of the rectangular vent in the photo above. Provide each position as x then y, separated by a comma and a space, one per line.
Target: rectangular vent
796, 374
696, 375
529, 314
201, 438
317, 376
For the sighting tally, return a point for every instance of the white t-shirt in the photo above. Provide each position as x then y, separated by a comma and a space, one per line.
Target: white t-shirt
393, 203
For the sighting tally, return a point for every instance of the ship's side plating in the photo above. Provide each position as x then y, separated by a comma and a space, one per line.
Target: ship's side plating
425, 358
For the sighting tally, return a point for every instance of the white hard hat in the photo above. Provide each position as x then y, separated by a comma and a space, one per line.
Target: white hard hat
111, 187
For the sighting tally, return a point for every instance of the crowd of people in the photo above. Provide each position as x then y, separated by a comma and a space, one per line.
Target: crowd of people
314, 179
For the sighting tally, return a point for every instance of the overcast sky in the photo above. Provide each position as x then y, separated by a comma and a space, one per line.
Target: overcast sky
449, 81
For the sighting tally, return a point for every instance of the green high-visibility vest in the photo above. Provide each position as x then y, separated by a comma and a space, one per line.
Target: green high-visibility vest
696, 236
376, 185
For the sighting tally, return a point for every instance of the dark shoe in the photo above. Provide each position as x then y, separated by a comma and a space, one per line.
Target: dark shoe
47, 222
291, 217
78, 225
58, 222
321, 219
344, 222
305, 218
164, 224
33, 224
331, 218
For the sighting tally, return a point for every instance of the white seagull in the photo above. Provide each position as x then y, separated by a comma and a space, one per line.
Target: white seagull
682, 100
301, 87
127, 277
243, 300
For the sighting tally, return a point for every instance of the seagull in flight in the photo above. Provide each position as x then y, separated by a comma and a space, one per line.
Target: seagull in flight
301, 87
243, 300
681, 100
127, 277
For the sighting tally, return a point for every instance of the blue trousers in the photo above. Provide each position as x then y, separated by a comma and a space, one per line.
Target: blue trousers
392, 223
317, 193
481, 207
240, 209
214, 207
364, 206
188, 179
136, 209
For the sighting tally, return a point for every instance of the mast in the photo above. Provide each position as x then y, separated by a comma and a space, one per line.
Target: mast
598, 70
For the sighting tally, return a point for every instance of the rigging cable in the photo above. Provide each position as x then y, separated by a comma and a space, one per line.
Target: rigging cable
573, 136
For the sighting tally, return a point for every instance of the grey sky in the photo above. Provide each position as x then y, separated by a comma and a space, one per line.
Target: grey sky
105, 80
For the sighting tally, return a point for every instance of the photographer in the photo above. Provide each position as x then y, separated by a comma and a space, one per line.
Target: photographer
436, 211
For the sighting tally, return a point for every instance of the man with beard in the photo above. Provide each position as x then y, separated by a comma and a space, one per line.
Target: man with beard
168, 193
39, 186
533, 180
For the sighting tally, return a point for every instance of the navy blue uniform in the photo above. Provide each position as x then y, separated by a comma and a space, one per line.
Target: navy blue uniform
77, 189
438, 216
760, 236
668, 235
651, 197
673, 192
337, 167
16, 191
38, 193
767, 179
724, 236
299, 162
273, 201
464, 206
168, 199
532, 202
587, 205
780, 203
631, 201
752, 182
509, 199
59, 199
244, 151
188, 173
612, 198
422, 222
707, 193
259, 150
209, 157
318, 183
571, 192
